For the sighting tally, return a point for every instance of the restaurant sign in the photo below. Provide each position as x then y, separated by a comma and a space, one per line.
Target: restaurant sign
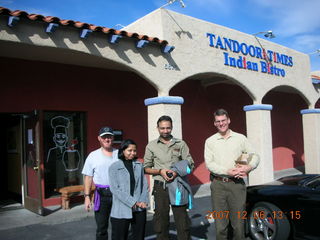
268, 61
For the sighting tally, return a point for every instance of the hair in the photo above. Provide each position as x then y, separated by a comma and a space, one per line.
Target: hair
164, 118
220, 112
124, 145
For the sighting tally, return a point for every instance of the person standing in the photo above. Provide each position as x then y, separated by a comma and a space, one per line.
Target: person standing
95, 172
228, 189
160, 155
129, 189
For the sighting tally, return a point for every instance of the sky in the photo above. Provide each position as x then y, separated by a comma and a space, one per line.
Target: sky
295, 23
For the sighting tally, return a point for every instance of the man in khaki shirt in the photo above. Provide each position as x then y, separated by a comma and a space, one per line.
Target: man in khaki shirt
159, 156
222, 153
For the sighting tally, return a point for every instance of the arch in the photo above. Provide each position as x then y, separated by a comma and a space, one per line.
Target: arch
211, 78
287, 89
201, 99
286, 121
67, 55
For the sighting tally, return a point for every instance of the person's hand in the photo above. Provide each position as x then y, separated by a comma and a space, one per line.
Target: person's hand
233, 172
87, 204
165, 172
240, 171
244, 169
141, 204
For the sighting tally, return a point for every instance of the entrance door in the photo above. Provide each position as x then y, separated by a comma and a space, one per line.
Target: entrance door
32, 163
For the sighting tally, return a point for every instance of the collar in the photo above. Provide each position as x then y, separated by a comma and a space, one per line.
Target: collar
173, 140
219, 136
134, 163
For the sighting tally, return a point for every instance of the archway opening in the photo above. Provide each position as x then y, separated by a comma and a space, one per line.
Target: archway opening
204, 95
317, 104
287, 132
107, 97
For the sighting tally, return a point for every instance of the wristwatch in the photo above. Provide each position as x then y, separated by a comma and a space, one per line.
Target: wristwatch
86, 195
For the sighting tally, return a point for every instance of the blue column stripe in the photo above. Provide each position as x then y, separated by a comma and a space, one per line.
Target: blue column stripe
308, 111
257, 107
166, 99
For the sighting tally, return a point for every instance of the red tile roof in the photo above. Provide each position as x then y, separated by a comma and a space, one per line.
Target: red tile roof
315, 77
80, 25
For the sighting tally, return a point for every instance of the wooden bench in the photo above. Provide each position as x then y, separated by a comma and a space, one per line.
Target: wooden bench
66, 194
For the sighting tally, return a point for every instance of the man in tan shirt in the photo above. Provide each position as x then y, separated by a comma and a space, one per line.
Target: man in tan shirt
228, 190
160, 155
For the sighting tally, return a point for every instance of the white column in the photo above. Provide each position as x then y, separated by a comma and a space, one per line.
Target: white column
157, 107
311, 139
260, 136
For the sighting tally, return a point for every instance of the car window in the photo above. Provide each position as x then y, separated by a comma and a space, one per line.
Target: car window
314, 183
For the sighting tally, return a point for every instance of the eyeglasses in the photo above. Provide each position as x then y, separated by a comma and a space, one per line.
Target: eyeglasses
106, 136
221, 121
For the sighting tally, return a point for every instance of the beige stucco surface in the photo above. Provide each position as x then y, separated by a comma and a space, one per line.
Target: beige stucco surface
192, 57
192, 54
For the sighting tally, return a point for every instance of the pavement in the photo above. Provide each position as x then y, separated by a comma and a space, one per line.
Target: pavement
76, 223
19, 223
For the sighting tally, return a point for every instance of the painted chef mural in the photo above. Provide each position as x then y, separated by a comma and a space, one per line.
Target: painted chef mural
63, 159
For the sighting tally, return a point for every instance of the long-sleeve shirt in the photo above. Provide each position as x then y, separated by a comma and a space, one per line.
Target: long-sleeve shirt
220, 154
159, 155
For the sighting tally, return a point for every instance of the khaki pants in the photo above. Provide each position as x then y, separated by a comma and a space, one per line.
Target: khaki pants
228, 201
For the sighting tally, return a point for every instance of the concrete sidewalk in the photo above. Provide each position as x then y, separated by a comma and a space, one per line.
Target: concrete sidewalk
21, 217
78, 224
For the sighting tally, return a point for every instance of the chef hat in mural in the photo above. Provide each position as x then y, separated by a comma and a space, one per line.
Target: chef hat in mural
60, 124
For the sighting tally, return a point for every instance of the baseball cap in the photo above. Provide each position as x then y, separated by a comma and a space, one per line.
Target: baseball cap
106, 130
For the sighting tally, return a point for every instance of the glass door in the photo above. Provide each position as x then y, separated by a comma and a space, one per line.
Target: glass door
64, 150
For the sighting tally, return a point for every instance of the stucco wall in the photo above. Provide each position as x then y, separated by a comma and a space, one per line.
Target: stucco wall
108, 97
193, 55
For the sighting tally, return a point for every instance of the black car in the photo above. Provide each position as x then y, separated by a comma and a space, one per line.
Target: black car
288, 208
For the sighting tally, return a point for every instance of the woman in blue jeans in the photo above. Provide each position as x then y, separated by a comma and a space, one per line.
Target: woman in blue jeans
129, 189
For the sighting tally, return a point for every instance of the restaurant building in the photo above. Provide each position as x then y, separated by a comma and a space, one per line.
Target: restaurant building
62, 80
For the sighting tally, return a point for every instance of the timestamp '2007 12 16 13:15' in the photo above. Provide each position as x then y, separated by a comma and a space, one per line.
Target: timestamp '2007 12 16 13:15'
294, 215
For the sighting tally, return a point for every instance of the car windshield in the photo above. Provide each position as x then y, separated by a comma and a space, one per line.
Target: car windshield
292, 180
314, 183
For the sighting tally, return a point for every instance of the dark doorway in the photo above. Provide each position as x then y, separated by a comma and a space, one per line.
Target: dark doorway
11, 161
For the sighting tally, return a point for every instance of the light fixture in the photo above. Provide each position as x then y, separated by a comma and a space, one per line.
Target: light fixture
172, 1
119, 26
317, 51
267, 34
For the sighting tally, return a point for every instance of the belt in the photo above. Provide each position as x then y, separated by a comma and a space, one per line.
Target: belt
225, 179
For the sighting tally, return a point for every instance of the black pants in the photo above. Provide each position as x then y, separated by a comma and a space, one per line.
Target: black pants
103, 214
120, 226
161, 217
